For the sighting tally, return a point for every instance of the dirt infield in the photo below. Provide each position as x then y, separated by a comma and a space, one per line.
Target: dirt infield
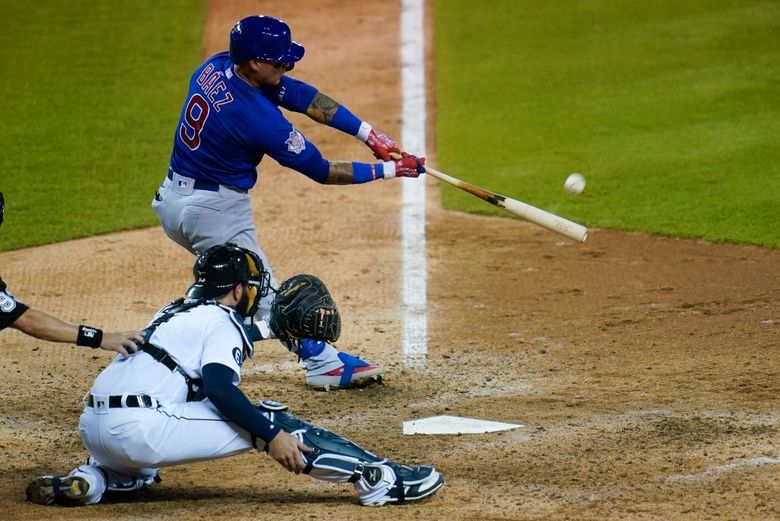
645, 370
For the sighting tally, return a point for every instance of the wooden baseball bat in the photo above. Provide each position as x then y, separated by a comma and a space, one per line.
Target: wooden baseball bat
530, 213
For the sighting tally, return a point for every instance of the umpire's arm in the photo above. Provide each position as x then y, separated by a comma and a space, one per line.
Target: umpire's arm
40, 324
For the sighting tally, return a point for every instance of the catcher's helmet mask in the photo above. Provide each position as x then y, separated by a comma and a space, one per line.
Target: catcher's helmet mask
221, 268
264, 38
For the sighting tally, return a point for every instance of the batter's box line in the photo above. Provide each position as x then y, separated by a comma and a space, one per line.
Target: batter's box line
716, 471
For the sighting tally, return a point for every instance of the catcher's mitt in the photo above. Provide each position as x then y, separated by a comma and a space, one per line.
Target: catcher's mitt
303, 308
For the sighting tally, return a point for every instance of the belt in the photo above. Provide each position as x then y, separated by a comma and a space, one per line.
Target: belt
120, 401
199, 183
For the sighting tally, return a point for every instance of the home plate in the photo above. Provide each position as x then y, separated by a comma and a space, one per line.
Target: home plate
455, 425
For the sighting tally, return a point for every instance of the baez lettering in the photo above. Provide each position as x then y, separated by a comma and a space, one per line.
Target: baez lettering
212, 86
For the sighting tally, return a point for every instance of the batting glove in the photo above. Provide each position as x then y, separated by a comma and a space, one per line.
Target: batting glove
381, 145
406, 166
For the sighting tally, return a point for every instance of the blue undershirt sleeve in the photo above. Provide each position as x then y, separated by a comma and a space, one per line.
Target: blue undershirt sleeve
345, 121
365, 172
295, 95
233, 403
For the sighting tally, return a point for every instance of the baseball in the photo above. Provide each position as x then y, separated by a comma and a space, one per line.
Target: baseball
574, 184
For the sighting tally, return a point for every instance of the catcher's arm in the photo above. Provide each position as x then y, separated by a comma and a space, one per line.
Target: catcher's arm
236, 407
257, 331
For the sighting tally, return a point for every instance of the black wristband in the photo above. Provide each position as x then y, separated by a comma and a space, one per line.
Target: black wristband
89, 336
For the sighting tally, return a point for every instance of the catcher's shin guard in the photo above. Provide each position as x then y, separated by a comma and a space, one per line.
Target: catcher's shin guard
329, 450
334, 458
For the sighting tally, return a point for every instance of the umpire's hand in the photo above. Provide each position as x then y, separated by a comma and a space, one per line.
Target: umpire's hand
286, 450
124, 343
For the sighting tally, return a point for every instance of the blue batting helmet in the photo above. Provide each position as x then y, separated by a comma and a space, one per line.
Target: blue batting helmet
264, 38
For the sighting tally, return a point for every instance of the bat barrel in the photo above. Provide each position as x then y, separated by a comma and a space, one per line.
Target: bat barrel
546, 219
530, 213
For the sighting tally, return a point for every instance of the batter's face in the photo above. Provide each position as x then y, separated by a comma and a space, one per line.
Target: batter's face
267, 73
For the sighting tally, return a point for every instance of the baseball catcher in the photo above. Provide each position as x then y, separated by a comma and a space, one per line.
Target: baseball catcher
150, 410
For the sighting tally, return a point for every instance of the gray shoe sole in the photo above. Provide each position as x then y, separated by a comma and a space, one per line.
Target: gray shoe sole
359, 379
51, 490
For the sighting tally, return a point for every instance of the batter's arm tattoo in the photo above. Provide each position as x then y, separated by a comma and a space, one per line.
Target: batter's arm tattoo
340, 173
322, 108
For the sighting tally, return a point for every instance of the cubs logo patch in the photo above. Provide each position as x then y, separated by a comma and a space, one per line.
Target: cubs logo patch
238, 356
296, 142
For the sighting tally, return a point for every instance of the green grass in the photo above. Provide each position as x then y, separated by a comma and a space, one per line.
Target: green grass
91, 94
671, 111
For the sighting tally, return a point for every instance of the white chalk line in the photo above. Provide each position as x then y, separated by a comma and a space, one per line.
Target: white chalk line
414, 268
716, 471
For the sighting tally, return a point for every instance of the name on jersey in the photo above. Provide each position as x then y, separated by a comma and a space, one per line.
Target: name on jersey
214, 88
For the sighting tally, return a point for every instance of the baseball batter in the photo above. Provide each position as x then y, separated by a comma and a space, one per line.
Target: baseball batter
39, 324
177, 401
230, 121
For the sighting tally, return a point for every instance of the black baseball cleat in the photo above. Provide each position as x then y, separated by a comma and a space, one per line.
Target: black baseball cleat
410, 483
67, 491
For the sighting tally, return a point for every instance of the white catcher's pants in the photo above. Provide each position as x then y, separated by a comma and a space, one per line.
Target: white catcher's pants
127, 446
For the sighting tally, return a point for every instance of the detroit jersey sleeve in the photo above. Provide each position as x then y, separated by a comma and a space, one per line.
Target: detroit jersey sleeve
223, 344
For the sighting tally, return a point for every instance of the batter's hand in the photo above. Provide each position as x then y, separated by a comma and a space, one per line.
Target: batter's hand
381, 145
127, 341
286, 450
406, 166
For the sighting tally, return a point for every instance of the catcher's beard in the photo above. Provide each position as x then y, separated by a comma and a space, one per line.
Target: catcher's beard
243, 304
247, 304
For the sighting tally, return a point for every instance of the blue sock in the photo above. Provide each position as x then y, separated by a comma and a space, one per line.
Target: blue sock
311, 348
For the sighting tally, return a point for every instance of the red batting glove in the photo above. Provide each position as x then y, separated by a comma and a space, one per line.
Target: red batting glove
407, 166
381, 145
